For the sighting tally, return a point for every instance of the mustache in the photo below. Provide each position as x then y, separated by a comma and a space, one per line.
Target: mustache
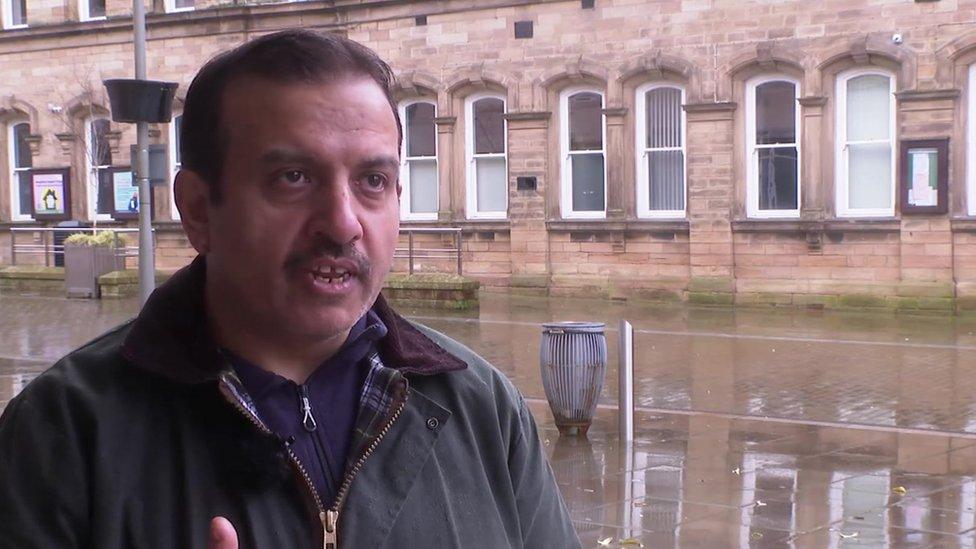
328, 248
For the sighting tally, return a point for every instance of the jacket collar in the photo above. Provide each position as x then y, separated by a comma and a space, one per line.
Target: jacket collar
171, 337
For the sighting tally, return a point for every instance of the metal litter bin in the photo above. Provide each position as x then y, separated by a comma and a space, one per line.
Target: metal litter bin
59, 237
573, 362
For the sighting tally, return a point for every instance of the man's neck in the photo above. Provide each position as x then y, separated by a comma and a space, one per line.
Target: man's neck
292, 359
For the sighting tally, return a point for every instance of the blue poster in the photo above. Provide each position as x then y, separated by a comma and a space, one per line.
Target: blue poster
126, 192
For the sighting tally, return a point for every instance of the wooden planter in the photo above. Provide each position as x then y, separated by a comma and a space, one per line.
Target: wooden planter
82, 267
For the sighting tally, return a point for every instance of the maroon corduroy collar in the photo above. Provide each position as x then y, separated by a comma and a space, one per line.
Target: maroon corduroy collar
170, 336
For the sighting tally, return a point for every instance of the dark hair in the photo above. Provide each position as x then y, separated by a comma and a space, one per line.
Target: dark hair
293, 55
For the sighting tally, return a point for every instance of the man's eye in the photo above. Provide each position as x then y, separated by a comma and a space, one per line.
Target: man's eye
293, 177
375, 181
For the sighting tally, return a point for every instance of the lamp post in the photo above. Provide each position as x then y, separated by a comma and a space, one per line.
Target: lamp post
142, 101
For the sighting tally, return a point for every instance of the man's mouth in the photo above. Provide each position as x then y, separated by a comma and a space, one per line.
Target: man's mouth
334, 275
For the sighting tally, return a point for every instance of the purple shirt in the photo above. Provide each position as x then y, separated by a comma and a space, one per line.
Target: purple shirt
321, 413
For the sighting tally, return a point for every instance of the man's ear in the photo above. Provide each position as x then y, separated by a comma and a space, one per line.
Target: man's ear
192, 195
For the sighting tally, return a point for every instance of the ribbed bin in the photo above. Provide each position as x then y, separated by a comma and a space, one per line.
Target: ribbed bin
573, 361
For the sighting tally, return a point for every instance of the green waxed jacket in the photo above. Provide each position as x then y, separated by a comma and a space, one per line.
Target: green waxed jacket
129, 442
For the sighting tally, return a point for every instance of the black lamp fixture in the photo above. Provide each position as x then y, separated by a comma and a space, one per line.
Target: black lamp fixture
135, 100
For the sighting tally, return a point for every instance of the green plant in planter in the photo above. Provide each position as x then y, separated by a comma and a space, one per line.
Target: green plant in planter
105, 239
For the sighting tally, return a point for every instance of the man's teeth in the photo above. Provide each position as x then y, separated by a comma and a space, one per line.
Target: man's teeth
332, 277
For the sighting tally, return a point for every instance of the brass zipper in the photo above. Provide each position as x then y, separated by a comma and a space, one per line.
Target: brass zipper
329, 518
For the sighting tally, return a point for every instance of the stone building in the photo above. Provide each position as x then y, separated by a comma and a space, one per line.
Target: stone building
708, 150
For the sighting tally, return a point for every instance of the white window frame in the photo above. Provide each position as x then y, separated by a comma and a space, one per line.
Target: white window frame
174, 167
84, 11
752, 150
8, 14
91, 179
14, 171
641, 151
566, 173
841, 193
471, 178
170, 7
971, 144
406, 214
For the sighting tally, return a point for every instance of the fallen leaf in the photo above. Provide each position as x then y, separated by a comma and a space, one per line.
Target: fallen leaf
605, 541
638, 504
736, 471
900, 490
858, 517
589, 490
631, 541
756, 535
847, 536
760, 503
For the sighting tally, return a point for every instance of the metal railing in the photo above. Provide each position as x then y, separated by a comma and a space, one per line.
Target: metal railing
412, 252
50, 247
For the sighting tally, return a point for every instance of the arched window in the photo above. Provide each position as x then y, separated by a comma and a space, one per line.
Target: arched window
20, 162
179, 5
582, 139
772, 147
487, 171
660, 151
418, 169
175, 162
98, 158
865, 159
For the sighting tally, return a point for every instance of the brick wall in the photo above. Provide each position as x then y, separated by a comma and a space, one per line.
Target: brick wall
711, 48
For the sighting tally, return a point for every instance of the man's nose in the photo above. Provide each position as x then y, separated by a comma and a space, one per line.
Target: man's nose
335, 215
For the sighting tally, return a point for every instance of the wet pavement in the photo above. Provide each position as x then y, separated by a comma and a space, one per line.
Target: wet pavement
755, 428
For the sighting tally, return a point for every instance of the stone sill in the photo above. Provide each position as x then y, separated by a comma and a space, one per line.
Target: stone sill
612, 226
467, 226
800, 226
964, 225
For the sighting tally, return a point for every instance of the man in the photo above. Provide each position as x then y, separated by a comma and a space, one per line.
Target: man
267, 396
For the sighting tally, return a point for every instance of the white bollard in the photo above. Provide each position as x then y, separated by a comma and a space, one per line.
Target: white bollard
625, 386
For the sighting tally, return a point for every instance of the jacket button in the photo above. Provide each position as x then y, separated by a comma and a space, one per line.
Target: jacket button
432, 423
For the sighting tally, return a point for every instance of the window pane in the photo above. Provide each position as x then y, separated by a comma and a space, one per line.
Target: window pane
423, 186
24, 189
587, 182
778, 178
421, 135
492, 184
18, 15
489, 126
665, 170
96, 8
101, 152
181, 4
22, 154
868, 104
585, 122
869, 176
775, 113
105, 192
663, 107
178, 138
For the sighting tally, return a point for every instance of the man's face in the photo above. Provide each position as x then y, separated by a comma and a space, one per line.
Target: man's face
307, 224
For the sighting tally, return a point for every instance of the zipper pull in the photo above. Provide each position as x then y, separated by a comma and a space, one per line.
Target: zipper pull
308, 420
330, 520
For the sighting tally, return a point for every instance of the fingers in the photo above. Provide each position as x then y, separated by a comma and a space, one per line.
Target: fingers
222, 534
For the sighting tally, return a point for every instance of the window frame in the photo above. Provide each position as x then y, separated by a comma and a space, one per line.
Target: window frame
91, 187
169, 6
971, 143
84, 11
752, 149
566, 172
174, 165
841, 159
8, 14
471, 172
405, 205
643, 189
14, 171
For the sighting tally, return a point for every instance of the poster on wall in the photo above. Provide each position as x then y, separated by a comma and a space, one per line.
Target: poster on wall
924, 176
49, 189
125, 194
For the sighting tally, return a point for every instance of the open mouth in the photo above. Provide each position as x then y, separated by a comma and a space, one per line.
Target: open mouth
332, 276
